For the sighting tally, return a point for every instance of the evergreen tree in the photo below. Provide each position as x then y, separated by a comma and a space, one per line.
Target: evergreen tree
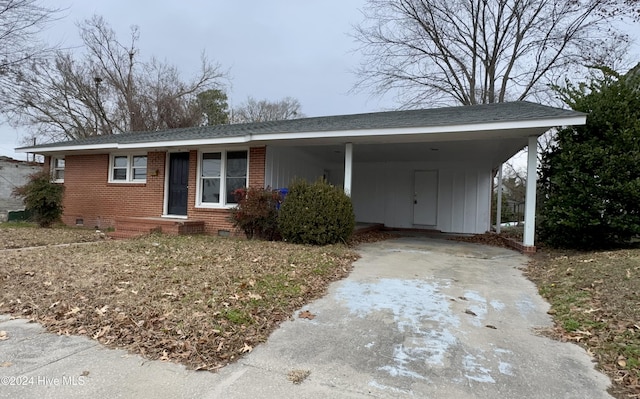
590, 178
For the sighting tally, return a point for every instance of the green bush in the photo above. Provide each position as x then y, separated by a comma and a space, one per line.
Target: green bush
257, 212
42, 198
590, 178
317, 213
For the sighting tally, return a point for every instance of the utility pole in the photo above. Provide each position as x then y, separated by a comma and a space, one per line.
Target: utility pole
97, 81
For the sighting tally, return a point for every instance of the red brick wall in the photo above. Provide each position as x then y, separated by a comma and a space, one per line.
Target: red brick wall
257, 161
90, 197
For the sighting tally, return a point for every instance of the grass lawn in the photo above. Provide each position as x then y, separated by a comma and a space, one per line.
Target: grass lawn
202, 301
595, 302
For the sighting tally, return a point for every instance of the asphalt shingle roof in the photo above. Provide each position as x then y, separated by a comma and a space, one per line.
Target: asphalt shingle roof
433, 117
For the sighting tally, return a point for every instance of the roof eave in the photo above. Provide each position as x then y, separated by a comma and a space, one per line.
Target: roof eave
44, 150
542, 124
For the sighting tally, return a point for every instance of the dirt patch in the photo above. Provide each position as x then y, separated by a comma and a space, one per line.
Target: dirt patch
14, 235
201, 301
595, 303
493, 239
369, 236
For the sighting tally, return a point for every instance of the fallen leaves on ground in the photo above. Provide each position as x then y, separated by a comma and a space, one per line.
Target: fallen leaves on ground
306, 315
369, 237
595, 303
470, 312
297, 376
24, 237
202, 301
493, 239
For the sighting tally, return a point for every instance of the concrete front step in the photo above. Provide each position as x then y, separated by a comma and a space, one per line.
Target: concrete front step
129, 227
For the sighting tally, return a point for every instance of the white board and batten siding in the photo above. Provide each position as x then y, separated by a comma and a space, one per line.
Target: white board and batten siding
285, 164
384, 192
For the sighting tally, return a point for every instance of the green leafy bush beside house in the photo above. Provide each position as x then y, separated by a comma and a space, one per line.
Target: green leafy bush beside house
316, 213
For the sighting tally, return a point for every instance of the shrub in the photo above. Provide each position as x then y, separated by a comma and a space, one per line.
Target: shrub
590, 177
317, 213
256, 213
42, 198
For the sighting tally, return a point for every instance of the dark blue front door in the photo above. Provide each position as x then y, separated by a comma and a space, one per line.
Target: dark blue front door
178, 183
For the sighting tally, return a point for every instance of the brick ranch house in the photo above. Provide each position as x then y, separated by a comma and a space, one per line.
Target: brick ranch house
416, 169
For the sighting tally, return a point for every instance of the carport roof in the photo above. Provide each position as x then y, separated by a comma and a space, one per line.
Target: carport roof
448, 119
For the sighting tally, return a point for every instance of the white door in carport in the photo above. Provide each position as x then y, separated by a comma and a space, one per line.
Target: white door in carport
425, 199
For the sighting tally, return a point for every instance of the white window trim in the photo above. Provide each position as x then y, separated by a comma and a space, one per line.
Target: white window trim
54, 169
223, 179
129, 179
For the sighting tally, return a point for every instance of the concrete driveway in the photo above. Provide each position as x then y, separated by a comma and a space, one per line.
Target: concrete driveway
417, 318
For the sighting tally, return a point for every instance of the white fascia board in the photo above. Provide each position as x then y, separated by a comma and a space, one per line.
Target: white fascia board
188, 143
541, 123
68, 148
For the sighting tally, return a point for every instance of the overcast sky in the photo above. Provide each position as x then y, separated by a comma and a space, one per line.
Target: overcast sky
272, 49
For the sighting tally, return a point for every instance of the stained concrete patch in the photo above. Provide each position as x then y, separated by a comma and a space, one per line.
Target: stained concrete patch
419, 310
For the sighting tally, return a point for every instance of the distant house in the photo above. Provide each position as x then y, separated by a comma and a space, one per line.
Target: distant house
13, 173
417, 169
513, 199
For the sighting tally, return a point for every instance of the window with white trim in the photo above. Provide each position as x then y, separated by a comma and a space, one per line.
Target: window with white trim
221, 173
57, 169
128, 169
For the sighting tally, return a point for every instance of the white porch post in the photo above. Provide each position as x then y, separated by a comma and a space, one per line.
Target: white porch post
499, 201
530, 200
348, 167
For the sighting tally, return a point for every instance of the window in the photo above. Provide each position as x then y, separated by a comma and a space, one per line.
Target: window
221, 173
128, 168
57, 169
211, 168
236, 174
139, 167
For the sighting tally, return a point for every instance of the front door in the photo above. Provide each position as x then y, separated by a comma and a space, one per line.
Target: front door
425, 200
178, 183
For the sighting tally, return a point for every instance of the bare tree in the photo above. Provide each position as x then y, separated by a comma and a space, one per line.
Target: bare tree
261, 111
21, 23
481, 51
108, 90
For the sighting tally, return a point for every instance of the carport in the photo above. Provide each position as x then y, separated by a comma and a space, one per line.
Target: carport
423, 169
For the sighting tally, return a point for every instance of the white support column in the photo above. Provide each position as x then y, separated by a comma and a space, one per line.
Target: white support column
348, 167
530, 200
499, 201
